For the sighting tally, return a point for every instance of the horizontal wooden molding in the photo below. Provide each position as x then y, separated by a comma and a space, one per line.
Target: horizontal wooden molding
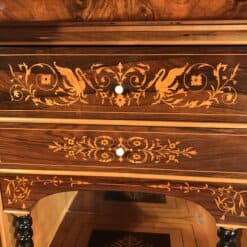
215, 125
132, 33
16, 212
126, 176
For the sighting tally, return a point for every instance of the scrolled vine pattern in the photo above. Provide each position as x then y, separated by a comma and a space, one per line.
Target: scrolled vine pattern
228, 200
196, 86
39, 80
199, 85
138, 150
106, 78
66, 86
19, 189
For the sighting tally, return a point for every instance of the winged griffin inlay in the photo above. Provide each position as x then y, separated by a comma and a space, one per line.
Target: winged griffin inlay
187, 86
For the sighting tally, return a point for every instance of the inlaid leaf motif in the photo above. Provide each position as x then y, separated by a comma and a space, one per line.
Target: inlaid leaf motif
230, 201
138, 150
199, 85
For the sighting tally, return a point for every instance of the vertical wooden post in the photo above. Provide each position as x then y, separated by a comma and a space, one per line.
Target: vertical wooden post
24, 232
227, 238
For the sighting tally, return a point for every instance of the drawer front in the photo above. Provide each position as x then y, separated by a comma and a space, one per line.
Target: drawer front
122, 149
168, 83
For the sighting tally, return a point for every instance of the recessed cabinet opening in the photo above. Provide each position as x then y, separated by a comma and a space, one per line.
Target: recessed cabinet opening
109, 219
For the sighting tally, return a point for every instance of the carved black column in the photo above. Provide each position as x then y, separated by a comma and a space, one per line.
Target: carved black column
228, 238
24, 232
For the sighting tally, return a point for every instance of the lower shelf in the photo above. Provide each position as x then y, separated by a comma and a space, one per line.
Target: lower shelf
132, 219
117, 219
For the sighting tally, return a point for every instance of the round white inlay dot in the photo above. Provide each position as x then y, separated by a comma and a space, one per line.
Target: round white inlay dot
120, 152
119, 89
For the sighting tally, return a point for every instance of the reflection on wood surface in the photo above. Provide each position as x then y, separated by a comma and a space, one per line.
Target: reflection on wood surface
100, 10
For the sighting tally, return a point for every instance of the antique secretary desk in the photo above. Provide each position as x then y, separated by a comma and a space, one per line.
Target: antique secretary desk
128, 95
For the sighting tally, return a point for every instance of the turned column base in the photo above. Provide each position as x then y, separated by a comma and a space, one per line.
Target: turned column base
227, 238
23, 231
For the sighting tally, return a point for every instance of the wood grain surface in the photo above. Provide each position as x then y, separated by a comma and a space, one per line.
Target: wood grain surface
160, 83
225, 202
192, 84
148, 150
227, 32
188, 224
123, 10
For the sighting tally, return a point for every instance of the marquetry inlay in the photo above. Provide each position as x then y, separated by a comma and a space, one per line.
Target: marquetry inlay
136, 149
227, 199
129, 241
199, 85
19, 189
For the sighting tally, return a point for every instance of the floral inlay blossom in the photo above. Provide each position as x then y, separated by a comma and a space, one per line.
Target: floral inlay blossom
199, 85
138, 150
230, 201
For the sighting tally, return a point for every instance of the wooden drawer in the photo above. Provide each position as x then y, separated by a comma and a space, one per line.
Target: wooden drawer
158, 83
145, 149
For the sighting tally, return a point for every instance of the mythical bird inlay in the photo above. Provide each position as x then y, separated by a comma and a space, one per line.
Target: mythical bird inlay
187, 86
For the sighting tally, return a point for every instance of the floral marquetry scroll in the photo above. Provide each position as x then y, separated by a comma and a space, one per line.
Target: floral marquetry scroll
228, 200
135, 76
199, 85
138, 150
19, 190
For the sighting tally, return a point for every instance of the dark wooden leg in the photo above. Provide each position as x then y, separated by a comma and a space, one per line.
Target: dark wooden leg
24, 232
227, 238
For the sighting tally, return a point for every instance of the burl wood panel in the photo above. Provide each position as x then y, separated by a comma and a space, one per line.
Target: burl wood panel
160, 83
148, 150
123, 10
226, 202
